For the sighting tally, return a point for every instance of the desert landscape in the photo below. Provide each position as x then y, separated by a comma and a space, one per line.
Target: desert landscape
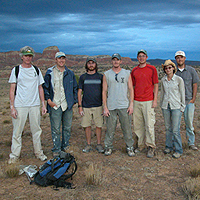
114, 177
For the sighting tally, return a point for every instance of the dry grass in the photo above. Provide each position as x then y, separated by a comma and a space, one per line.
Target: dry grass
12, 170
6, 121
93, 174
195, 171
192, 188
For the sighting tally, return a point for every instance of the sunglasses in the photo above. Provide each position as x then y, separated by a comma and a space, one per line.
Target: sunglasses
168, 68
116, 77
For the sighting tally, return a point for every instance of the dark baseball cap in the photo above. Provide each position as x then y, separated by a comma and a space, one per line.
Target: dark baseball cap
116, 55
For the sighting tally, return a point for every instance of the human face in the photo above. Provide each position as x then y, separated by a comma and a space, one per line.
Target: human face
142, 58
180, 61
169, 69
61, 61
27, 59
116, 62
91, 65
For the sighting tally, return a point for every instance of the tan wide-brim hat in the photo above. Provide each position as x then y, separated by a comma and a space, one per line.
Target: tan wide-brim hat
169, 62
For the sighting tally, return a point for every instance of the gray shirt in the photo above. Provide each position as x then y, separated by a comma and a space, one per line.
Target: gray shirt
117, 89
190, 76
172, 93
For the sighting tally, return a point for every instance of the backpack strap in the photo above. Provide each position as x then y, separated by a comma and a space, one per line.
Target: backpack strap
17, 70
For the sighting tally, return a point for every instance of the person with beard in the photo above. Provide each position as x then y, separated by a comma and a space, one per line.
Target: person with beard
117, 84
90, 104
191, 79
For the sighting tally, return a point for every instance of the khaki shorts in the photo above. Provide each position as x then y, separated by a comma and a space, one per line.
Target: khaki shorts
94, 113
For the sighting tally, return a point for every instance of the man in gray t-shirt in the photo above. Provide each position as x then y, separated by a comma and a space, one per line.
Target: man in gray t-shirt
116, 84
191, 78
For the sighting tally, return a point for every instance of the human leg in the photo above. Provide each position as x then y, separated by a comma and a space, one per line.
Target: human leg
66, 128
55, 120
176, 120
111, 123
34, 119
18, 126
168, 129
149, 118
188, 117
125, 121
138, 124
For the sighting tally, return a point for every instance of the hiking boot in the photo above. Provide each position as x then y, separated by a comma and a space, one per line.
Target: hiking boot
108, 152
167, 151
130, 151
41, 157
176, 155
99, 148
150, 153
137, 150
12, 160
87, 149
192, 147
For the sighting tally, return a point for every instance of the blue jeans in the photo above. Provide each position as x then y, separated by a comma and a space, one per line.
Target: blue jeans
172, 120
188, 117
56, 118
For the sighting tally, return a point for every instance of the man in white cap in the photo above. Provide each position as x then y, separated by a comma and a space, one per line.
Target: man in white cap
25, 94
190, 77
60, 90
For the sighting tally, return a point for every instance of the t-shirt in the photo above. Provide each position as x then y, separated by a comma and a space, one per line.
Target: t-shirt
91, 84
27, 93
143, 82
117, 89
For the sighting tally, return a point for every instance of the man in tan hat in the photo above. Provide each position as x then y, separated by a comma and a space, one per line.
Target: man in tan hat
25, 94
190, 77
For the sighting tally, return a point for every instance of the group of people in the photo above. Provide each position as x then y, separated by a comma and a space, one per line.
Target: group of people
118, 93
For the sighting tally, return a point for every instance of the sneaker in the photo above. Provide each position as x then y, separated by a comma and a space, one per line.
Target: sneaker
42, 157
99, 148
130, 151
87, 149
108, 152
137, 150
12, 160
150, 153
176, 155
167, 151
192, 147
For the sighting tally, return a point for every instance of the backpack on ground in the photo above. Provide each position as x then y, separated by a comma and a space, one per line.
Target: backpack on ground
56, 171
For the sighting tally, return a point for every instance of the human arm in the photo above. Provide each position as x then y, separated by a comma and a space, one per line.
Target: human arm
12, 98
155, 91
161, 94
104, 96
194, 93
80, 108
41, 94
182, 94
131, 95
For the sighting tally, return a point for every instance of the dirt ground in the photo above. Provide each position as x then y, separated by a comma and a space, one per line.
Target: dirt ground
121, 177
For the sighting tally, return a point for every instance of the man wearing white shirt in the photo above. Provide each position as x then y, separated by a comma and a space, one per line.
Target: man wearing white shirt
25, 94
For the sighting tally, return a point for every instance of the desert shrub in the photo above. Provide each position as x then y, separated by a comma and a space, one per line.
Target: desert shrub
93, 174
1, 156
195, 171
12, 170
192, 188
6, 121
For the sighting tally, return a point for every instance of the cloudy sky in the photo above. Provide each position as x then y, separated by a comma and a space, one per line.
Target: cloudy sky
102, 27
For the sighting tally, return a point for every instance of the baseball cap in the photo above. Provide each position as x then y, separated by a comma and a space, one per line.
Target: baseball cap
91, 58
60, 54
180, 53
142, 51
116, 55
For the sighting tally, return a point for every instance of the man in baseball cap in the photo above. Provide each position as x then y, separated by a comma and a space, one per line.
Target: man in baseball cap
190, 78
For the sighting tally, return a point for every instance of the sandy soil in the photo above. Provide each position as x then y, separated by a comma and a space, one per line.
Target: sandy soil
122, 177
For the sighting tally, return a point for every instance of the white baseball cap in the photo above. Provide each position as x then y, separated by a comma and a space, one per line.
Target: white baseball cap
180, 53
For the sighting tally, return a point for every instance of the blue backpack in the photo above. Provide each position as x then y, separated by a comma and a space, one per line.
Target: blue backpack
56, 171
